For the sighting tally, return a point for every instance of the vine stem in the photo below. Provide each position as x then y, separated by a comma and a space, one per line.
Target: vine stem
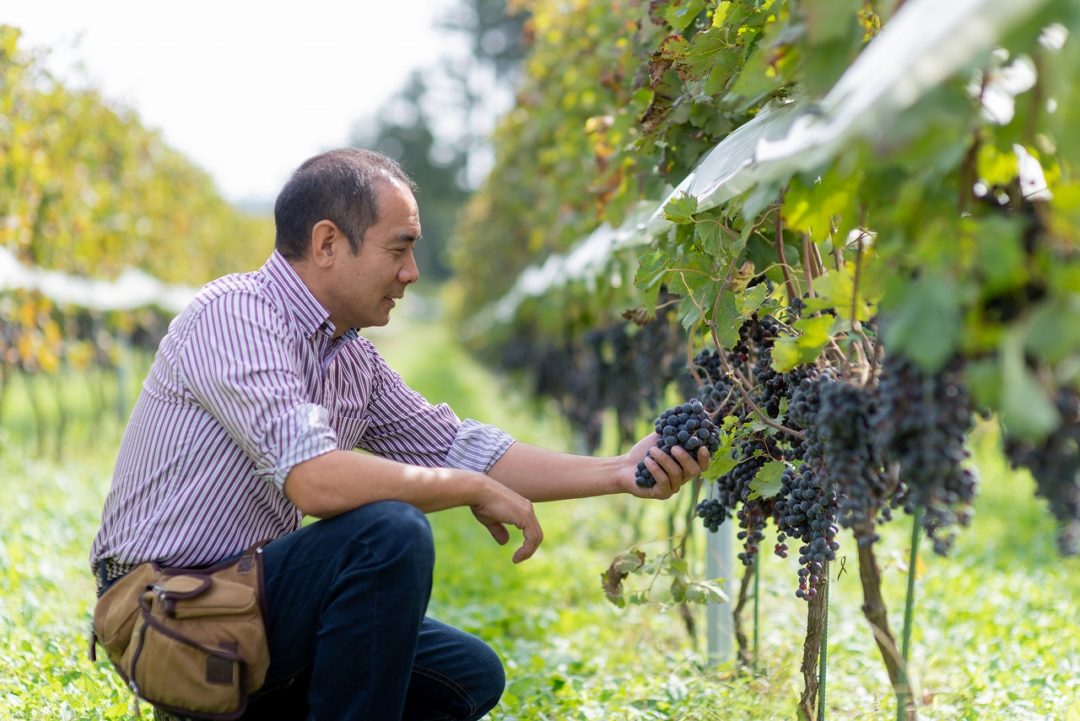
779, 241
743, 656
858, 277
905, 697
809, 266
861, 343
819, 263
739, 381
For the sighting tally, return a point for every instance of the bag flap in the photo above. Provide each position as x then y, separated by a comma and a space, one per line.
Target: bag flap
183, 586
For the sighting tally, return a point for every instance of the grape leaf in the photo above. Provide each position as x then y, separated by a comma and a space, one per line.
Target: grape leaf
681, 208
705, 592
766, 483
1054, 330
689, 313
829, 19
995, 167
1000, 254
810, 207
721, 462
835, 290
1026, 410
707, 233
621, 566
927, 323
727, 319
985, 381
708, 51
681, 13
678, 588
752, 298
793, 351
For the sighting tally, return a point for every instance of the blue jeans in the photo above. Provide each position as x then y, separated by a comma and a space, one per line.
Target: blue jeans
349, 638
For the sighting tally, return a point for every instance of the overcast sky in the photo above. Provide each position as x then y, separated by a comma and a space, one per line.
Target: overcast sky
245, 89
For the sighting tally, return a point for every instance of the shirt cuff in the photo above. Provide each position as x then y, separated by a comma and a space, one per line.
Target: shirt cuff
477, 446
302, 434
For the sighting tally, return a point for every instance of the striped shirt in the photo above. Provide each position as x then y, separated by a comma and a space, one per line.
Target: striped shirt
248, 383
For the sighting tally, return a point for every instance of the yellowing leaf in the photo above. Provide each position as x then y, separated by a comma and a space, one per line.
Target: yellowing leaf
995, 167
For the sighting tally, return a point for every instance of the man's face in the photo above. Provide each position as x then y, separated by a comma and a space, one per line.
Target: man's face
368, 284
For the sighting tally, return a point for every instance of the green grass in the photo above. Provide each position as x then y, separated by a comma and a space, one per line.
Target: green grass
997, 632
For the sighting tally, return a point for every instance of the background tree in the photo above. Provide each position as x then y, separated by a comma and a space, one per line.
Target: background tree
438, 126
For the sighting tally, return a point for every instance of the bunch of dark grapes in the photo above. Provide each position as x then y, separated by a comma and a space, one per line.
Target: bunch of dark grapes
718, 395
805, 509
921, 421
772, 387
1055, 465
733, 487
807, 505
796, 307
712, 513
687, 426
803, 405
850, 462
761, 332
709, 364
752, 517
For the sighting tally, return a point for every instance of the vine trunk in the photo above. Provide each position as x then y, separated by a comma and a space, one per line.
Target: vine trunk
877, 614
817, 607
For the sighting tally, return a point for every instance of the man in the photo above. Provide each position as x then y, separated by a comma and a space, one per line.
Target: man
247, 421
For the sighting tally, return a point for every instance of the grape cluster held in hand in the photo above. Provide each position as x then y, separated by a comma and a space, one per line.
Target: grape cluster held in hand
687, 426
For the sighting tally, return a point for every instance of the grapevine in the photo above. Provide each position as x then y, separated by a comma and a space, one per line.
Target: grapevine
843, 320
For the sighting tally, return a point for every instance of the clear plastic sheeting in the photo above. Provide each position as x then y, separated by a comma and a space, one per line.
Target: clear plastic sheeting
926, 42
133, 289
733, 166
920, 47
585, 263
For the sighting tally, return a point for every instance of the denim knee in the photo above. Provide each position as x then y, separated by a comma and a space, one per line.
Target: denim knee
397, 532
494, 680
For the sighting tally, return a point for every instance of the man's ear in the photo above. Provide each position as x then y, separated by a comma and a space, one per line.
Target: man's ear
327, 242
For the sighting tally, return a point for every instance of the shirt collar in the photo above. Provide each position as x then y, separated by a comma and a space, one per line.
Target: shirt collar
306, 309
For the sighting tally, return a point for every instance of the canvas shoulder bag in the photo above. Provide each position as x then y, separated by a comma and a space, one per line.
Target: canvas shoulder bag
189, 641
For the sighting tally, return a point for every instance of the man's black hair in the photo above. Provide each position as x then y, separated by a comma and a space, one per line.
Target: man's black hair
339, 186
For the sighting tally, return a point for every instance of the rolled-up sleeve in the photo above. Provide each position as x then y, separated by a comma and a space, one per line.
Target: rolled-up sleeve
406, 427
238, 363
477, 446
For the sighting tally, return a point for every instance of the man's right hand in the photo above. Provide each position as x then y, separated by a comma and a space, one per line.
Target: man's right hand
339, 481
499, 506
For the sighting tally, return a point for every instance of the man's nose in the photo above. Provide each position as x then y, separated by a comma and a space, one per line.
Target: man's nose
410, 272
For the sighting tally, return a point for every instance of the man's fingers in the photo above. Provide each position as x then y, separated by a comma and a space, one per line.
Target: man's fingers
670, 466
672, 471
703, 459
533, 537
505, 508
498, 532
690, 466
